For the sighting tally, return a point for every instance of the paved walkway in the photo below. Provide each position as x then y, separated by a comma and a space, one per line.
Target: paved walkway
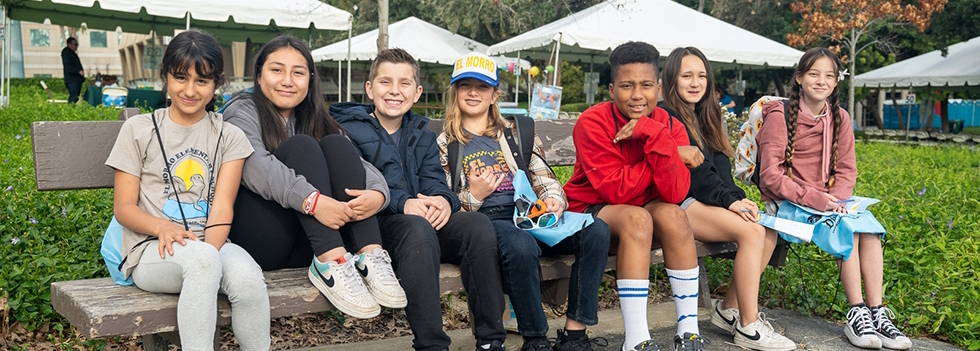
810, 333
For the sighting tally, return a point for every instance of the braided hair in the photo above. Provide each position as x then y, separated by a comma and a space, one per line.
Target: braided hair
806, 62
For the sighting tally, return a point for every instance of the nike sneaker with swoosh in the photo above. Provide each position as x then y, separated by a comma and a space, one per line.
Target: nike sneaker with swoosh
760, 335
725, 318
343, 287
375, 268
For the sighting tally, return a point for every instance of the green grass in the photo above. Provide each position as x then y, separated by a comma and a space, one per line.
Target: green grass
932, 253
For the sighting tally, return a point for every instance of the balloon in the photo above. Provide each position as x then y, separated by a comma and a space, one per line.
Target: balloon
534, 71
510, 67
551, 68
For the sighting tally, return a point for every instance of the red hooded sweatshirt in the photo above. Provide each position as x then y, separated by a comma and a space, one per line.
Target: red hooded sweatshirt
634, 171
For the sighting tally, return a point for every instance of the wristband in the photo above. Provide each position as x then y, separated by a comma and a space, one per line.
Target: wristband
209, 226
310, 202
315, 200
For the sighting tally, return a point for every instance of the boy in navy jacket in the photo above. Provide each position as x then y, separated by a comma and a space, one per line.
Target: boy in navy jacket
422, 226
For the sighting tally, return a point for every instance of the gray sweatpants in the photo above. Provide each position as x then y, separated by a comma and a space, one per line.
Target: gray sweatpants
198, 272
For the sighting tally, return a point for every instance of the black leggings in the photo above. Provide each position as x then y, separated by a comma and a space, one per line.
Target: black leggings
279, 237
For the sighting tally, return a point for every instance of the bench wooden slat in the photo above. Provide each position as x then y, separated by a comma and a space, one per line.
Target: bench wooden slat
100, 308
555, 134
72, 155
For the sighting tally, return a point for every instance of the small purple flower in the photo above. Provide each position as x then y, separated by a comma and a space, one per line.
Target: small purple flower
14, 241
7, 160
929, 221
901, 217
922, 192
64, 212
949, 225
33, 221
18, 136
9, 188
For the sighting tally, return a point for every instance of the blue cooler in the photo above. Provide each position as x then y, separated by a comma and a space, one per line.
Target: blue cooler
114, 96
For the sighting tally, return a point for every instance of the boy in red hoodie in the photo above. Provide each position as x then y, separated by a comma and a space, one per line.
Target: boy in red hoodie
630, 173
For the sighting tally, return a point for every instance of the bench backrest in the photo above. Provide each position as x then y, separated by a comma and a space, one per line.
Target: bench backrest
71, 155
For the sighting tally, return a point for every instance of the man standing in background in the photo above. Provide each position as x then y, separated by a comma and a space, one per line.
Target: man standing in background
74, 73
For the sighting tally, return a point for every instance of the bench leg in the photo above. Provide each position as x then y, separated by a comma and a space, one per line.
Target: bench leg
704, 292
155, 342
554, 292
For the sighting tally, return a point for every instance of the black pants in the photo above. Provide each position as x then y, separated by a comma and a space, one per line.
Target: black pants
279, 237
416, 249
73, 90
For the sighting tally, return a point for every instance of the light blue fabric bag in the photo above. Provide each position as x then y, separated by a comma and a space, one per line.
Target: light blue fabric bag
833, 233
568, 224
112, 252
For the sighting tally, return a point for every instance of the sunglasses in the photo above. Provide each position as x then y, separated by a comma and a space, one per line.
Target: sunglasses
531, 215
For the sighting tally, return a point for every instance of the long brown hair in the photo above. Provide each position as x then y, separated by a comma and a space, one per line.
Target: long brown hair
452, 123
704, 120
312, 116
806, 62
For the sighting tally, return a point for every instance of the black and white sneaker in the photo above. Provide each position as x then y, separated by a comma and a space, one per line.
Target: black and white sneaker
859, 329
890, 336
690, 342
725, 318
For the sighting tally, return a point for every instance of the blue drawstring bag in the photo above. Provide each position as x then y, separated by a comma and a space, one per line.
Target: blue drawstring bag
112, 252
568, 224
832, 233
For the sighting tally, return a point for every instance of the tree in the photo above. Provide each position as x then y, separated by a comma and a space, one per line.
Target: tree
853, 24
382, 25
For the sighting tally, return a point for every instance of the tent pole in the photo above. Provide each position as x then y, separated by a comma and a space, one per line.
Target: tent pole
188, 26
6, 49
517, 84
6, 58
340, 79
554, 80
350, 30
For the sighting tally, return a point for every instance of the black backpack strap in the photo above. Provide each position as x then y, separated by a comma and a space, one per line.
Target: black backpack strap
789, 165
525, 137
518, 157
455, 150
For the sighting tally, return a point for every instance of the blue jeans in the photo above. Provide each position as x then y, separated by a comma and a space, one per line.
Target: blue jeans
519, 252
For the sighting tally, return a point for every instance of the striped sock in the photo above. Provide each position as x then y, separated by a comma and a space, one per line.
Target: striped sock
633, 302
684, 284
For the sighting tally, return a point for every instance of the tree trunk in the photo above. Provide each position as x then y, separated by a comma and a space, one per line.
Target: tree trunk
898, 111
701, 6
778, 82
382, 25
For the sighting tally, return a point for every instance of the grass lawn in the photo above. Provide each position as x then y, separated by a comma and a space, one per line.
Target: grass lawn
929, 206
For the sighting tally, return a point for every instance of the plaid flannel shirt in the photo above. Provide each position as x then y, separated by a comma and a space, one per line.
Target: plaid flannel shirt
542, 179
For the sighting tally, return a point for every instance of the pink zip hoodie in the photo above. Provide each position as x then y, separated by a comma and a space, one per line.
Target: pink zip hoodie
811, 158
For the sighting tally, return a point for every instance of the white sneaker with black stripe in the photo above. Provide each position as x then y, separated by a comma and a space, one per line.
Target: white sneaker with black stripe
859, 329
343, 287
760, 335
890, 336
725, 318
380, 280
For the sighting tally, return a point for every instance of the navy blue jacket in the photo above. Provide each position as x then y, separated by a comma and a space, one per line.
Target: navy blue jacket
410, 168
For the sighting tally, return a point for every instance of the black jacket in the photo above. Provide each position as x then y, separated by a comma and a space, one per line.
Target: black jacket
711, 182
412, 167
69, 59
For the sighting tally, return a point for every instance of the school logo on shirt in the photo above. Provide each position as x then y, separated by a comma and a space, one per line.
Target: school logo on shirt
191, 173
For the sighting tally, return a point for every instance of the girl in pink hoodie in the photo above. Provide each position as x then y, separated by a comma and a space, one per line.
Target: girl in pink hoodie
808, 159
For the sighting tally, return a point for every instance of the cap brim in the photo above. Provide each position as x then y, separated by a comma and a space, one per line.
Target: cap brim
478, 76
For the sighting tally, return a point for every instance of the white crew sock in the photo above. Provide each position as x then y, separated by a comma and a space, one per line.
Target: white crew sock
684, 285
633, 302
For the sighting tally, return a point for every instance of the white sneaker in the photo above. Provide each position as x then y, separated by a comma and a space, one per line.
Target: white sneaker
890, 336
859, 329
375, 268
725, 318
345, 290
760, 335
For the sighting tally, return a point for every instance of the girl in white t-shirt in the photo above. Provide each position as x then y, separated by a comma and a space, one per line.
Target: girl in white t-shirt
177, 175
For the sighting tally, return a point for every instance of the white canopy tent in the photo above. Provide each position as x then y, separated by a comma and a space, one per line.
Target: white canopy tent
667, 25
425, 41
231, 20
960, 67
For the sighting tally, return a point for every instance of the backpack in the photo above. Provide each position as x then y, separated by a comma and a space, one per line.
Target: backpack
525, 143
747, 152
112, 252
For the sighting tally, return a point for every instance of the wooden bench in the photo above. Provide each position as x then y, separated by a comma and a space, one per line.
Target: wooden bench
71, 155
